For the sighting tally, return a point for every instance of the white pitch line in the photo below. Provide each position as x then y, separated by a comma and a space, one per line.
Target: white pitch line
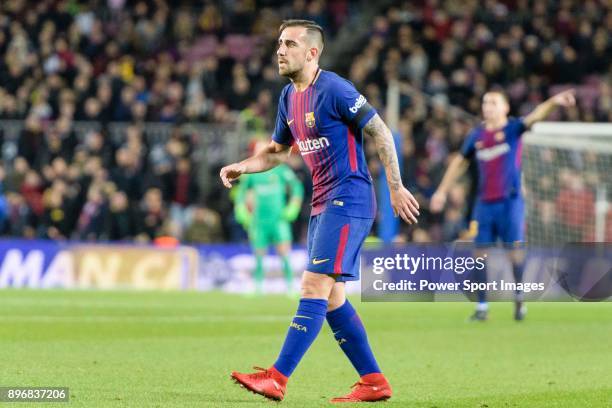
141, 319
91, 304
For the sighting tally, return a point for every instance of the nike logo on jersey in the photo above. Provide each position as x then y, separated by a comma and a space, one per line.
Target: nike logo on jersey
289, 122
319, 261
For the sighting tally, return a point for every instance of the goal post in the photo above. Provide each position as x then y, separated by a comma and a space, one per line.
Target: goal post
567, 180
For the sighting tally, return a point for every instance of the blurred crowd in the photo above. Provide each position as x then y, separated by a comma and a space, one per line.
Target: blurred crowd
147, 60
63, 61
452, 52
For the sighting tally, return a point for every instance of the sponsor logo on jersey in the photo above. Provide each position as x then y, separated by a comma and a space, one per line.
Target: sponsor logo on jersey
316, 261
338, 203
493, 152
359, 102
289, 122
309, 119
309, 146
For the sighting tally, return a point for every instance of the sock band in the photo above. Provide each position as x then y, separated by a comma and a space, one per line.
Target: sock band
352, 338
304, 328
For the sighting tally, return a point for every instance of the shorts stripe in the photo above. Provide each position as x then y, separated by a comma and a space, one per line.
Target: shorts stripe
344, 232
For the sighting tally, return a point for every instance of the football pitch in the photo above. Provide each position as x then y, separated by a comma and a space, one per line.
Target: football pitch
171, 349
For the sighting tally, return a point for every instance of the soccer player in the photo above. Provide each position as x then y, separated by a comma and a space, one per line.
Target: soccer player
326, 118
499, 209
268, 223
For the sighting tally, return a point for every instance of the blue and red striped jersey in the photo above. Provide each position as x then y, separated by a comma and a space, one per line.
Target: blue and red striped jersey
498, 154
325, 121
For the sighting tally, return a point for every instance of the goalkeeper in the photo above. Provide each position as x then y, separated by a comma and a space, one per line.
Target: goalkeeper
267, 219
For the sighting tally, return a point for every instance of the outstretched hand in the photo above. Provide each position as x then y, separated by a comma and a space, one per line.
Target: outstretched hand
231, 173
436, 204
405, 205
566, 98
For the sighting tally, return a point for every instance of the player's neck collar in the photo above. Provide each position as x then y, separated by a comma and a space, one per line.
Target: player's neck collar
496, 128
314, 79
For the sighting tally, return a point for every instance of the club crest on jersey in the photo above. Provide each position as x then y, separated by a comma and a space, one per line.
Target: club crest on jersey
309, 119
500, 136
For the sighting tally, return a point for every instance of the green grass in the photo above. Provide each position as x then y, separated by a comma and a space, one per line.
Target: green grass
174, 349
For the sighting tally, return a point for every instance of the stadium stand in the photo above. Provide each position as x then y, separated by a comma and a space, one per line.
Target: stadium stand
95, 97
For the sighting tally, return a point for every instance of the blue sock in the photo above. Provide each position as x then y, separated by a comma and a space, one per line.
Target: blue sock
304, 328
480, 276
352, 338
517, 271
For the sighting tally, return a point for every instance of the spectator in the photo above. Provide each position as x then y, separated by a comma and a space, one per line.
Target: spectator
121, 220
91, 220
184, 193
205, 227
152, 215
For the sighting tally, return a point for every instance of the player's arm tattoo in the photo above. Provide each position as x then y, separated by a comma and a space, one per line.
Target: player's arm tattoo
385, 146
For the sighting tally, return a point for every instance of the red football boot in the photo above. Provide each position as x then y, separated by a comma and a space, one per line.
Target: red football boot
369, 388
270, 383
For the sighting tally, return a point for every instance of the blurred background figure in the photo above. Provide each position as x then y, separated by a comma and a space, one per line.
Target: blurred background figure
266, 204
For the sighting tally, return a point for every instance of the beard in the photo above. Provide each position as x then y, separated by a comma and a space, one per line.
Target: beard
287, 71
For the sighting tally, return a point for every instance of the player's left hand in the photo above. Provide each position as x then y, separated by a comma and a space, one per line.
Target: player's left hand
405, 205
566, 98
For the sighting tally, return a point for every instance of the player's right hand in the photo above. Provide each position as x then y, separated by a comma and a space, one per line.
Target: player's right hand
436, 204
231, 173
566, 98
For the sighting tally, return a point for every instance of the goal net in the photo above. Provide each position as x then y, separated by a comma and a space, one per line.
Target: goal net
567, 178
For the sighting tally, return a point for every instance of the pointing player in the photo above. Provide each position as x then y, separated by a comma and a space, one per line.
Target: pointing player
499, 208
326, 117
268, 222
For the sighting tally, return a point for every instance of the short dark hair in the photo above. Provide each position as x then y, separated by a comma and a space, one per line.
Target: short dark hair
312, 28
500, 91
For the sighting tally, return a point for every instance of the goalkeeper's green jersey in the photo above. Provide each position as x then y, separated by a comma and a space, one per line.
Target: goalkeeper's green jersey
269, 193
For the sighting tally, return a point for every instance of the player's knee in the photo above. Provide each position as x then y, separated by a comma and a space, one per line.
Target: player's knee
337, 297
316, 286
335, 302
312, 290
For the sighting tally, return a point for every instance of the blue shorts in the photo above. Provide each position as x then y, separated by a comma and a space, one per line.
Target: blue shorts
504, 220
334, 245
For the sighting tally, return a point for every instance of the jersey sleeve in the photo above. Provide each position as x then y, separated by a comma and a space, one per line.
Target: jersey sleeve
282, 133
516, 127
350, 105
469, 144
